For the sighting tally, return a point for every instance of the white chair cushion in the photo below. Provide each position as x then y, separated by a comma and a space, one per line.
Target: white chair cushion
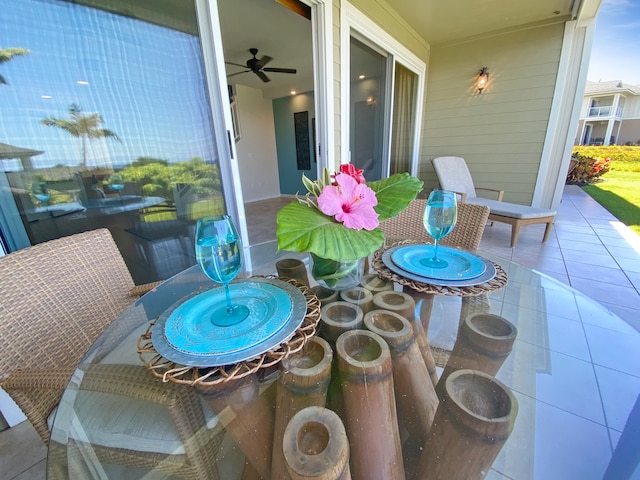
453, 174
511, 210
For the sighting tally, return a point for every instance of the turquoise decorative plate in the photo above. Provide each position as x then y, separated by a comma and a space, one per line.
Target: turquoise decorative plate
461, 265
488, 275
186, 335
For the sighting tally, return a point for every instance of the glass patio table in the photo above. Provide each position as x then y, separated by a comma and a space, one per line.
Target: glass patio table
574, 371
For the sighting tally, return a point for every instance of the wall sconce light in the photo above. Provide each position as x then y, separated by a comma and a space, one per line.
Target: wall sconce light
482, 80
371, 100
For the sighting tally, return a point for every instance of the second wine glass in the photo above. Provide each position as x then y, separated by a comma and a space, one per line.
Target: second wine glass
440, 217
218, 251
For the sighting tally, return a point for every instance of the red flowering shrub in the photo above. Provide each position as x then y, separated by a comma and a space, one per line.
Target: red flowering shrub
588, 170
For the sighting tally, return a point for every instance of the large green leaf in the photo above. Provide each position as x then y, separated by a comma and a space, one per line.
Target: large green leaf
394, 193
304, 229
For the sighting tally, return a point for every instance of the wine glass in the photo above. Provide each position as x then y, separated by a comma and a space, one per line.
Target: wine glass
41, 192
218, 250
439, 219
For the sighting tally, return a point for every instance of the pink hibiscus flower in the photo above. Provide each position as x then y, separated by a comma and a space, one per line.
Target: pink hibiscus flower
350, 203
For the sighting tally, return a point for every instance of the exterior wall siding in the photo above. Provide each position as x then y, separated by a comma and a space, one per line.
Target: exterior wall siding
500, 132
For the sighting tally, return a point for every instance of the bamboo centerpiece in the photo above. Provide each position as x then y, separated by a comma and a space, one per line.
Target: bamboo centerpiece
335, 319
404, 304
247, 416
293, 268
316, 446
338, 317
415, 396
484, 342
359, 296
474, 419
375, 284
324, 294
303, 383
365, 365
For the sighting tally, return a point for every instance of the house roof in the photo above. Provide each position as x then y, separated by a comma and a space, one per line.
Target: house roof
613, 86
9, 151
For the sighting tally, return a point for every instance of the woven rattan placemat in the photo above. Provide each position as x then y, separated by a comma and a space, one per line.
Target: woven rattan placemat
496, 283
170, 371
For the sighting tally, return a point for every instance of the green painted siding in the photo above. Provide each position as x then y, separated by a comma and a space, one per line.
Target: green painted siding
500, 132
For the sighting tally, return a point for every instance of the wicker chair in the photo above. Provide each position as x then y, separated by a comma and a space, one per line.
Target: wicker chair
57, 298
466, 234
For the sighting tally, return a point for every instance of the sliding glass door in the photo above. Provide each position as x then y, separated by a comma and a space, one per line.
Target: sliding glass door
382, 95
106, 123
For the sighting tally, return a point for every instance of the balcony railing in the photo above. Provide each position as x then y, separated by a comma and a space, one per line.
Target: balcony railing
604, 111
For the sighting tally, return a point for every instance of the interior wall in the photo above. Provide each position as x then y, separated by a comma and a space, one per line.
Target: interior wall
500, 132
256, 149
283, 110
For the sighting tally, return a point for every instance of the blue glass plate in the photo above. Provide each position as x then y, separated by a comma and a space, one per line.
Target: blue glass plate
462, 265
488, 275
185, 334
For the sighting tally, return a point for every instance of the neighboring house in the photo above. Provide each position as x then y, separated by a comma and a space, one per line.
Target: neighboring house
610, 114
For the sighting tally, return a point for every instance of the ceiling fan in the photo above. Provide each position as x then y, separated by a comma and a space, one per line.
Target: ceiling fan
258, 66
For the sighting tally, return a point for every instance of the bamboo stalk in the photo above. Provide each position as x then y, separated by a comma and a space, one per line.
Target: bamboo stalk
303, 383
416, 399
472, 423
247, 416
316, 446
484, 342
359, 296
371, 420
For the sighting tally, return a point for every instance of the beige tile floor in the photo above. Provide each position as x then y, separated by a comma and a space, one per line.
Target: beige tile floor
588, 249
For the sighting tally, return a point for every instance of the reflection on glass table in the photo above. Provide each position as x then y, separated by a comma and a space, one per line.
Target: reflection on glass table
574, 370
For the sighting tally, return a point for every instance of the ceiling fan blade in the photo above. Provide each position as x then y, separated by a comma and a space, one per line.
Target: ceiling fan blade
262, 76
263, 61
236, 64
237, 73
280, 70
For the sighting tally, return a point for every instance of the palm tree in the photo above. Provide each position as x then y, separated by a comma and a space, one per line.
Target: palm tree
82, 126
7, 54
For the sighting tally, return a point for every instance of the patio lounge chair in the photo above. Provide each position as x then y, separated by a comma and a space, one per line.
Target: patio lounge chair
453, 174
57, 298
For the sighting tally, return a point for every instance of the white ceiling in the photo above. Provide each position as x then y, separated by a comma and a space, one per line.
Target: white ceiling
286, 36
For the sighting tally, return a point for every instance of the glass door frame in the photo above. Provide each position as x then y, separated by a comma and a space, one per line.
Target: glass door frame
213, 59
354, 23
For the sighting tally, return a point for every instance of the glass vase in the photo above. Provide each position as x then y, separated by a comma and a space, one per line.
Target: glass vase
337, 275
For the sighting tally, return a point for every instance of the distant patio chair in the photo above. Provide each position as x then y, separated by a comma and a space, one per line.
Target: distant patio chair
453, 174
467, 233
57, 298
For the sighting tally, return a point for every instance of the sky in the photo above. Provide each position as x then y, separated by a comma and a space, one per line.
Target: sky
145, 81
616, 45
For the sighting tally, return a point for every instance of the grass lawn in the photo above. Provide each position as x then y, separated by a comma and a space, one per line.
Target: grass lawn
619, 192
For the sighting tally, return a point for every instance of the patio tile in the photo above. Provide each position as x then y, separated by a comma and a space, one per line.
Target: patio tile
629, 315
585, 247
620, 253
566, 239
614, 350
602, 260
540, 262
21, 449
607, 292
602, 274
619, 392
